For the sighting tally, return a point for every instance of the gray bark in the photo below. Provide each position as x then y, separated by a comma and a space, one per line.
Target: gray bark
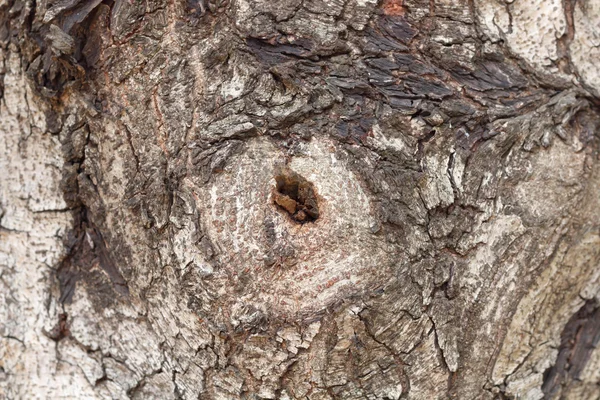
303, 199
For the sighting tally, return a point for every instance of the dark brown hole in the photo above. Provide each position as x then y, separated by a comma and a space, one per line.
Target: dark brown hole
296, 196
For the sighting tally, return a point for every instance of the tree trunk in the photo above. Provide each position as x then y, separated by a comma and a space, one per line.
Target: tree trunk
251, 199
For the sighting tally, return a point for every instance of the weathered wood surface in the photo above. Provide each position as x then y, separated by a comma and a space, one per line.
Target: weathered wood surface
311, 199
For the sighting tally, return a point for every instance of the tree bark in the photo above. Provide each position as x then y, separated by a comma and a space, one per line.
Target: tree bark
303, 199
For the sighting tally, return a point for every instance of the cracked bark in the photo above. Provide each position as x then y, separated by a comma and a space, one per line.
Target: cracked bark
435, 233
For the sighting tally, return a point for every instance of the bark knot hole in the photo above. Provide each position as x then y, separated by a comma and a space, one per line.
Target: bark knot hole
294, 194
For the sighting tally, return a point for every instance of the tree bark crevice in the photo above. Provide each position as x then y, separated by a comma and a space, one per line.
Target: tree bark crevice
320, 199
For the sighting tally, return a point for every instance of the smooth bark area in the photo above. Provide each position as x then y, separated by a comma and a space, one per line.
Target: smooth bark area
302, 199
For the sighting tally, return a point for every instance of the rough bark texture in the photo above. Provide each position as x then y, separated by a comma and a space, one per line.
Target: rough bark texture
299, 199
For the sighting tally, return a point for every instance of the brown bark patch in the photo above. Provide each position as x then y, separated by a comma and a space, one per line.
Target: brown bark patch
393, 7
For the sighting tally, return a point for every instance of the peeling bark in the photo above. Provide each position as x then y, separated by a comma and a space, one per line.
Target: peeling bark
299, 200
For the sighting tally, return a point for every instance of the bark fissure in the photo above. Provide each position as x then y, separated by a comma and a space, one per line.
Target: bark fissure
309, 199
